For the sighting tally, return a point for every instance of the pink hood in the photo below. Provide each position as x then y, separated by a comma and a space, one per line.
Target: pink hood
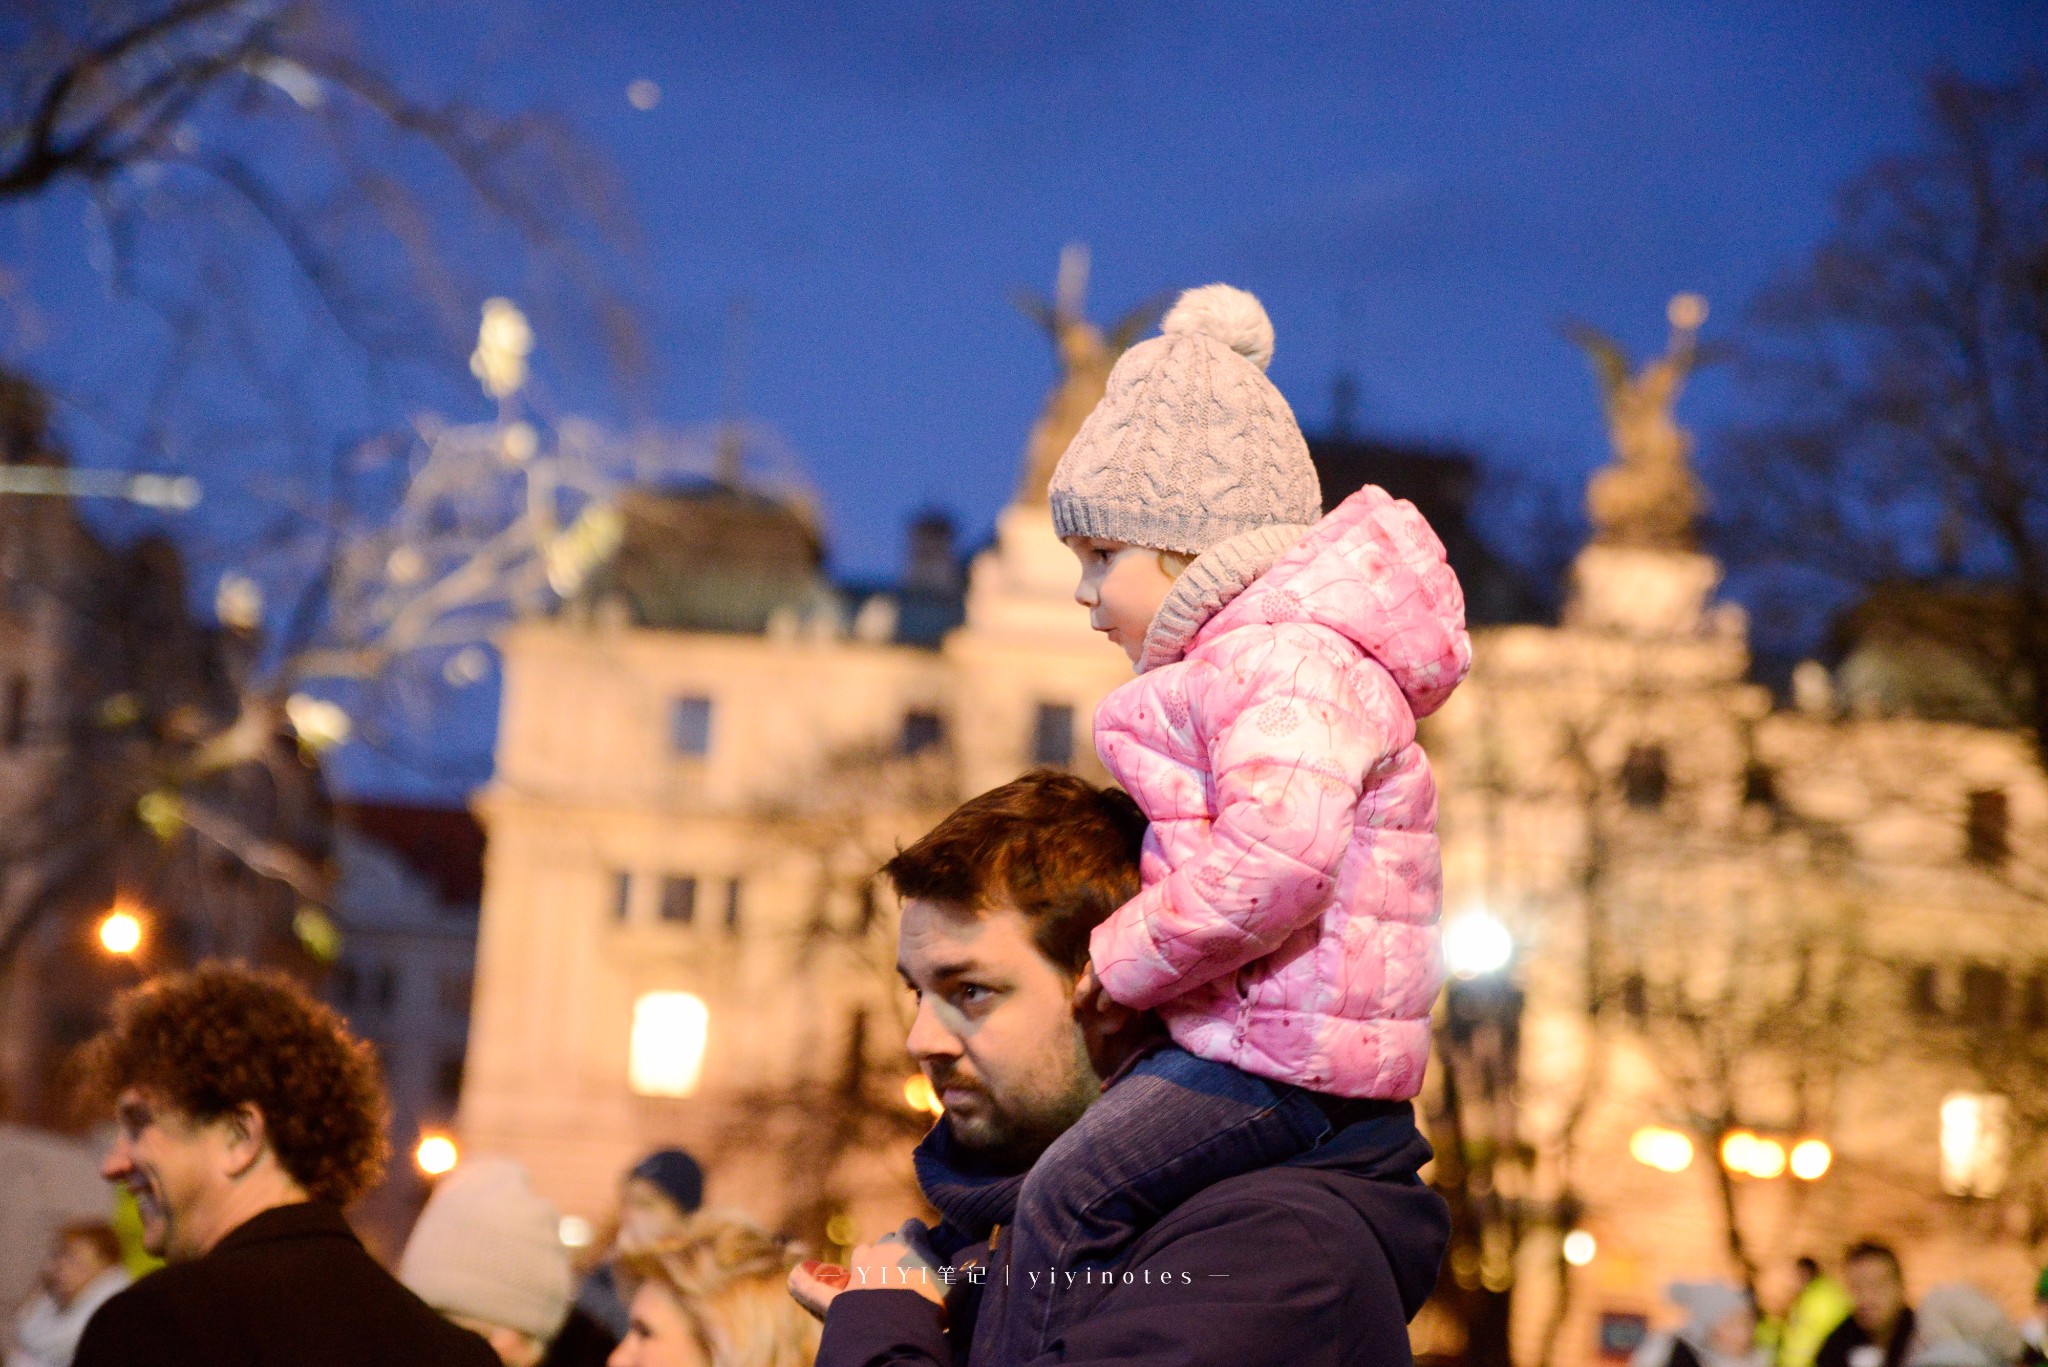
1292, 881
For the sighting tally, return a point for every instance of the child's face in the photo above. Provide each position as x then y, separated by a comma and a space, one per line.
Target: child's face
1122, 587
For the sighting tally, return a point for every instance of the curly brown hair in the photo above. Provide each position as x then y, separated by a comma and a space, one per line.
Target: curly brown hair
208, 1040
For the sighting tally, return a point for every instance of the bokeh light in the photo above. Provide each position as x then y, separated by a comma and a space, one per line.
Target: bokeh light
1811, 1159
436, 1155
121, 931
1666, 1150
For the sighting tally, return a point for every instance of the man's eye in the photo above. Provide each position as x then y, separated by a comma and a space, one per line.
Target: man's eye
971, 993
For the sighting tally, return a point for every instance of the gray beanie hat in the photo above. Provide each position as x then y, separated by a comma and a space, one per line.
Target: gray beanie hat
489, 1248
1191, 444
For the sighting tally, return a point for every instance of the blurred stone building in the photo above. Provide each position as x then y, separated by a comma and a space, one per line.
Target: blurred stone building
110, 795
681, 940
1810, 925
408, 881
1726, 916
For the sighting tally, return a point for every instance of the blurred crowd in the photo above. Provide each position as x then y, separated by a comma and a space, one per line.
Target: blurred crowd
245, 1257
1858, 1317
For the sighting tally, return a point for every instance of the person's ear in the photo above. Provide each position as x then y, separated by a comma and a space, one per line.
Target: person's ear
1111, 1031
246, 1138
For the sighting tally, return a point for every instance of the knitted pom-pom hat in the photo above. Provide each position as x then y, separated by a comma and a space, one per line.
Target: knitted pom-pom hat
489, 1248
1191, 446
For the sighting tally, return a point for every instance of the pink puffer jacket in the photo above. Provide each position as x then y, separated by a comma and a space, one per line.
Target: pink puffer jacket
1292, 883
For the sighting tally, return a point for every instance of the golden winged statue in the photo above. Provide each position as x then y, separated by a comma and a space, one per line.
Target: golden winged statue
1085, 356
1648, 498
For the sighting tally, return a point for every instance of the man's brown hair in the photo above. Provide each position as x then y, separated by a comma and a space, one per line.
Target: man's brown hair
1054, 847
207, 1040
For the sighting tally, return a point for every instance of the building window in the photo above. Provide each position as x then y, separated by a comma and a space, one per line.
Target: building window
667, 1049
1976, 1135
1644, 778
387, 987
1988, 829
2034, 1006
1052, 734
454, 992
921, 731
1984, 996
1759, 785
679, 900
689, 726
14, 712
1923, 991
622, 897
732, 904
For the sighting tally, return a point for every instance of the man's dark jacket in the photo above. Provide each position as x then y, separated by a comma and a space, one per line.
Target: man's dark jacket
1836, 1349
1320, 1262
291, 1287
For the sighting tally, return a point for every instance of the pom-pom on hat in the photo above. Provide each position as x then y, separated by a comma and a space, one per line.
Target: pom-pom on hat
488, 1248
1191, 446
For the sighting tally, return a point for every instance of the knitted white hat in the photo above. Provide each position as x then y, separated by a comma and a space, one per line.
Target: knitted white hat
488, 1248
1191, 444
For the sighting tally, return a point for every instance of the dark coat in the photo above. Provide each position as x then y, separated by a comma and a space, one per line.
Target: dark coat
291, 1287
1320, 1262
581, 1342
1839, 1349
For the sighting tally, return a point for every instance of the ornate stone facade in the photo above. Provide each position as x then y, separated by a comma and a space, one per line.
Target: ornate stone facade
1800, 923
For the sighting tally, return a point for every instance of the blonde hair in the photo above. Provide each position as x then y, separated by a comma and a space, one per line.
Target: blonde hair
1173, 564
730, 1279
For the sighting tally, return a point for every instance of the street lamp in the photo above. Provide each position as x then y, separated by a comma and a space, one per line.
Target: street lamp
436, 1155
1476, 944
121, 931
666, 1049
919, 1096
1811, 1159
1666, 1150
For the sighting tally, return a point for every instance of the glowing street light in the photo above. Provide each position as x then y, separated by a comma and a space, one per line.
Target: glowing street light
1666, 1150
1811, 1159
1753, 1156
121, 931
436, 1155
666, 1053
1476, 943
1738, 1150
919, 1096
1580, 1247
1767, 1160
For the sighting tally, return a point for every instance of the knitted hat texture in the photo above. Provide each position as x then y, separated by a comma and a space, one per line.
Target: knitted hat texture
1191, 444
489, 1248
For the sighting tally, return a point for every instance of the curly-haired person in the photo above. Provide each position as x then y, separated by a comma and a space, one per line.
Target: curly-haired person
246, 1117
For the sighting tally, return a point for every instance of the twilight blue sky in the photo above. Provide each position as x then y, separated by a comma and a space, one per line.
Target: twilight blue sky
1419, 192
